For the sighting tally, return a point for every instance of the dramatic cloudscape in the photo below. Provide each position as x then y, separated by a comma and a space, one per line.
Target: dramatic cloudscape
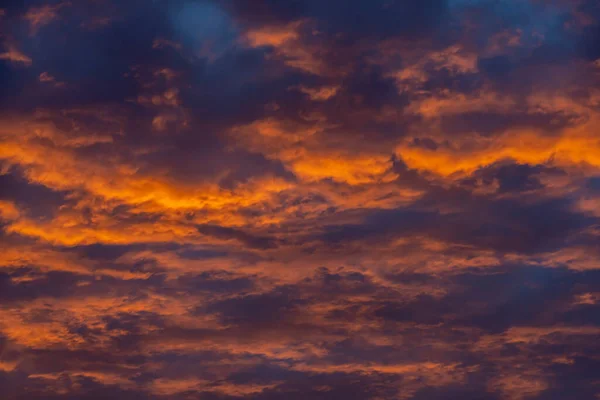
300, 199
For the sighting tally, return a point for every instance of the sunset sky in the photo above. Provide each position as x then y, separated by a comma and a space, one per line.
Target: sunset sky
300, 200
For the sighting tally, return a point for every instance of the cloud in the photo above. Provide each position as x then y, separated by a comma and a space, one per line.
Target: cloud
290, 200
15, 56
37, 17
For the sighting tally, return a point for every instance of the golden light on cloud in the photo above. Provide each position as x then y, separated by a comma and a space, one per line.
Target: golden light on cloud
299, 200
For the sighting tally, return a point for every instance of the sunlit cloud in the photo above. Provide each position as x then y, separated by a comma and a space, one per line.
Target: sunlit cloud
15, 56
307, 200
37, 17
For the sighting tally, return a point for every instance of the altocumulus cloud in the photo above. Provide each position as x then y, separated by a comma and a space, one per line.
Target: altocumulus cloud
265, 200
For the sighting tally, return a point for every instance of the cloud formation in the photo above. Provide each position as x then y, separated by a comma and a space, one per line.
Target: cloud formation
300, 200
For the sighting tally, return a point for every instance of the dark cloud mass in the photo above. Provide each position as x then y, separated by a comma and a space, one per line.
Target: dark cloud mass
305, 199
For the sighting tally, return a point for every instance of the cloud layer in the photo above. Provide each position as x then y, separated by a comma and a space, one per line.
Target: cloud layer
300, 200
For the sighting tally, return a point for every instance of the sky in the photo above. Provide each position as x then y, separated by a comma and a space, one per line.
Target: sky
300, 199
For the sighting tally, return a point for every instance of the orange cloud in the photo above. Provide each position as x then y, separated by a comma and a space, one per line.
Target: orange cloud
297, 148
38, 17
321, 93
289, 46
15, 56
522, 147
